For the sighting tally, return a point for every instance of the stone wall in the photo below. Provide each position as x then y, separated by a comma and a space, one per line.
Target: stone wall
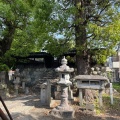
35, 75
3, 85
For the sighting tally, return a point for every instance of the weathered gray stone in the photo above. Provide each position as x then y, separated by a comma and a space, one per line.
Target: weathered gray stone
3, 85
26, 90
92, 77
90, 106
95, 82
45, 96
2, 77
58, 88
57, 95
64, 110
70, 94
16, 80
69, 114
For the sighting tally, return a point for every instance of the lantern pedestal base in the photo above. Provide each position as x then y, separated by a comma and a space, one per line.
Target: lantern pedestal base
63, 113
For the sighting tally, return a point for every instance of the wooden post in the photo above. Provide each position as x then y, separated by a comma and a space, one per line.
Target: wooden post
80, 97
111, 93
100, 98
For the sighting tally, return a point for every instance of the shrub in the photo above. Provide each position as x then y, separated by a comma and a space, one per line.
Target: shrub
3, 67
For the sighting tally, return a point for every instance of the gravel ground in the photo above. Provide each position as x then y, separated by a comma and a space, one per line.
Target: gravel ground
29, 108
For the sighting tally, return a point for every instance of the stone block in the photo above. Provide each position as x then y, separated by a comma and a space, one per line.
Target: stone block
90, 106
57, 95
58, 88
43, 96
64, 114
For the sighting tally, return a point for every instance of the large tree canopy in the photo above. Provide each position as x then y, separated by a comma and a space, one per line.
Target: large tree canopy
90, 25
14, 15
60, 25
23, 25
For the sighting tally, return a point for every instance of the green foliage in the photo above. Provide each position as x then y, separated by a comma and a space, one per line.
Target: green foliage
3, 67
100, 55
107, 104
7, 61
55, 25
36, 32
70, 59
116, 86
55, 22
14, 16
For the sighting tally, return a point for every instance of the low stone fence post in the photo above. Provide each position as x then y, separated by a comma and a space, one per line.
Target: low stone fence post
45, 95
16, 80
111, 93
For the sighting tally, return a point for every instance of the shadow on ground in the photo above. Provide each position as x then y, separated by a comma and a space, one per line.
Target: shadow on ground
40, 112
79, 116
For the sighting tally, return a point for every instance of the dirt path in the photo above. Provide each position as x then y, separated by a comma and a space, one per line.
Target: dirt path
29, 108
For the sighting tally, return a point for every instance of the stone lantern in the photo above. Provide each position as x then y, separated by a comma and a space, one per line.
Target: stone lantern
64, 110
16, 80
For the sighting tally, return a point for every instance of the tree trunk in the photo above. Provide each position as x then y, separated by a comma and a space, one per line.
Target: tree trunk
83, 67
6, 42
82, 57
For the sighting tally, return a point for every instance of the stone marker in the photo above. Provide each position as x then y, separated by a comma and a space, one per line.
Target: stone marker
45, 96
90, 106
111, 93
64, 110
16, 80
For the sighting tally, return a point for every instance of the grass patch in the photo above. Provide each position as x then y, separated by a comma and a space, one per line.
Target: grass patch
107, 106
99, 110
116, 86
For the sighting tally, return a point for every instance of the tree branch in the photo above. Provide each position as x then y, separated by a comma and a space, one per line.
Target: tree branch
103, 9
90, 36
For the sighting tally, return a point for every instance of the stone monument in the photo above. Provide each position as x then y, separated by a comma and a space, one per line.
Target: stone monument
16, 80
25, 80
3, 85
45, 94
95, 82
64, 110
